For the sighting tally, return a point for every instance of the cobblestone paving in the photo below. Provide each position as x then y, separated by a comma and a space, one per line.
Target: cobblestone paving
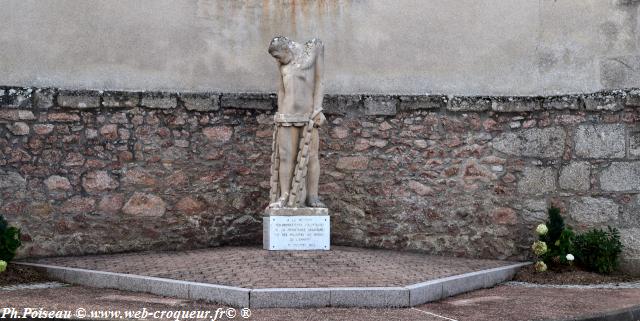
253, 267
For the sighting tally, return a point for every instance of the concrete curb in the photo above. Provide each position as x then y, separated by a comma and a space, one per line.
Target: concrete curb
370, 297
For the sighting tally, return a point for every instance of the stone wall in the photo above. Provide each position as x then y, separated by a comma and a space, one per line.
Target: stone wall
92, 172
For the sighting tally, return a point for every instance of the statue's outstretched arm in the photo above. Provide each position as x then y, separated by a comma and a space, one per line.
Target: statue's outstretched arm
318, 92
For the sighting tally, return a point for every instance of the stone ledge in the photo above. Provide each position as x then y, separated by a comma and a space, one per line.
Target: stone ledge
339, 104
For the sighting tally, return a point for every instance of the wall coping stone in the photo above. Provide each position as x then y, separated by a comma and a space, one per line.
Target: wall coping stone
336, 104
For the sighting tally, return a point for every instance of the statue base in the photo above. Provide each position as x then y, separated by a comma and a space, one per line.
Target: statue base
304, 228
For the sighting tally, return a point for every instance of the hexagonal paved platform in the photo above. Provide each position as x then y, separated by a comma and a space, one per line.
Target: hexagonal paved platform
239, 275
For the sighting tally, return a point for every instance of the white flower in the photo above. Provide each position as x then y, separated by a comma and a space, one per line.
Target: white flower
539, 248
540, 266
570, 257
542, 229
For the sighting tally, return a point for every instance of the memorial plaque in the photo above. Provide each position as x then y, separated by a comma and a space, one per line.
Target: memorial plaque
296, 232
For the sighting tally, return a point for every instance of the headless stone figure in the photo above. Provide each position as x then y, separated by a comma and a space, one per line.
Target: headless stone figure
295, 168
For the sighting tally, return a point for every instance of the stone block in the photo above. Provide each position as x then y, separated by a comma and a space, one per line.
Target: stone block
16, 97
593, 211
426, 102
462, 283
11, 180
353, 163
144, 204
472, 104
19, 128
235, 296
168, 287
200, 102
249, 101
537, 180
81, 99
633, 98
532, 142
380, 105
604, 101
600, 141
373, 297
342, 104
44, 98
621, 177
630, 257
570, 102
120, 99
575, 176
493, 277
516, 104
130, 282
289, 298
63, 117
96, 279
424, 292
159, 100
631, 212
634, 144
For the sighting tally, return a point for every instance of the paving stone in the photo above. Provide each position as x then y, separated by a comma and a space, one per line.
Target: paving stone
600, 141
252, 267
386, 297
592, 210
621, 177
532, 142
575, 176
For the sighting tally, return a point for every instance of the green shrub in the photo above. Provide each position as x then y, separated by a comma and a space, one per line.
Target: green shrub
559, 239
598, 250
9, 240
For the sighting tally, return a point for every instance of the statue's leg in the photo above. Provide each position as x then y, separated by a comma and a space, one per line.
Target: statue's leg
288, 149
313, 171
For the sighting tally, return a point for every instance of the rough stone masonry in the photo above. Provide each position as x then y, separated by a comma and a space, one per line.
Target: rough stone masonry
94, 172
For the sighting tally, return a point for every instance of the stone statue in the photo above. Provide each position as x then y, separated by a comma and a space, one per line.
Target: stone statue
295, 167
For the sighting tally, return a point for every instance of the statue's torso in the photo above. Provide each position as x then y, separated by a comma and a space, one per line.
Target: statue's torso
298, 78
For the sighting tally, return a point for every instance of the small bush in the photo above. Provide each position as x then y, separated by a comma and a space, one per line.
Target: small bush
9, 240
558, 239
598, 250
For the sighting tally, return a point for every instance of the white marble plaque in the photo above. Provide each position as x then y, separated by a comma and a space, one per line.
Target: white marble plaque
296, 232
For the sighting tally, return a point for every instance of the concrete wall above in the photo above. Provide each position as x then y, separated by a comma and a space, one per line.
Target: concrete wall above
464, 47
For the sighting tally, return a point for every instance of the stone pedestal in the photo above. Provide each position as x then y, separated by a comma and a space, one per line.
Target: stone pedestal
296, 229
